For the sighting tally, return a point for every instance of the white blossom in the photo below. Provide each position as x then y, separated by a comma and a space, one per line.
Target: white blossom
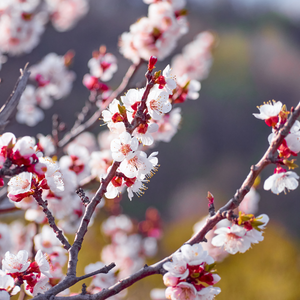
280, 182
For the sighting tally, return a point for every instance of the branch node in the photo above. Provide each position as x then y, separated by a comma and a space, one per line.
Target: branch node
83, 290
85, 200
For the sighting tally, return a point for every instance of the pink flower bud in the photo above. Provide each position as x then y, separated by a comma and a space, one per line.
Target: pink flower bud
152, 62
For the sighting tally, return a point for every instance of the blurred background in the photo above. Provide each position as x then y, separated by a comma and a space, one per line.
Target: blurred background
257, 59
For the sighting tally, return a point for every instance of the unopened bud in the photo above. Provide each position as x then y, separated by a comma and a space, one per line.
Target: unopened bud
69, 57
210, 199
152, 62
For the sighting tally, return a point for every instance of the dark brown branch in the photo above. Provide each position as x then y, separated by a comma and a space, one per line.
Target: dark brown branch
7, 172
103, 270
90, 208
268, 158
8, 210
226, 211
59, 234
12, 102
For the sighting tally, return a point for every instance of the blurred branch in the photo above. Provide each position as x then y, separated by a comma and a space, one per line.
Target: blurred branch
75, 131
12, 102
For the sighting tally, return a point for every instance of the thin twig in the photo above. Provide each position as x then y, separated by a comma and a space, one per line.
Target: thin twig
268, 158
103, 270
12, 102
95, 117
59, 234
8, 210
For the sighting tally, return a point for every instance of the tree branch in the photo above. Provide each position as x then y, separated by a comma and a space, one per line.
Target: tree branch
95, 117
268, 158
13, 100
59, 234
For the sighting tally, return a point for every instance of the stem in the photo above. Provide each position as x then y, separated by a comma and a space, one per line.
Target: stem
95, 117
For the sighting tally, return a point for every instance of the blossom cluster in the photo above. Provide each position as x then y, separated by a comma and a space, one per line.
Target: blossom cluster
192, 66
158, 33
19, 269
22, 22
275, 115
130, 244
18, 238
191, 274
102, 66
53, 81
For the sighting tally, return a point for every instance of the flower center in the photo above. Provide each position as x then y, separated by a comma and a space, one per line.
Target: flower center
125, 149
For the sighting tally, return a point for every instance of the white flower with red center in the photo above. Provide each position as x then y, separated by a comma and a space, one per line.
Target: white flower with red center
7, 286
281, 181
136, 165
46, 144
53, 175
123, 146
6, 138
189, 89
269, 112
19, 31
167, 81
135, 186
52, 76
178, 266
20, 186
292, 139
144, 133
113, 118
158, 103
40, 287
233, 239
195, 255
24, 151
182, 291
15, 263
103, 66
132, 99
43, 264
254, 235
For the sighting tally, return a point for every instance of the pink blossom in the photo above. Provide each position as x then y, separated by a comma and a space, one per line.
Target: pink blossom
182, 291
20, 186
66, 13
178, 266
103, 66
233, 239
15, 263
